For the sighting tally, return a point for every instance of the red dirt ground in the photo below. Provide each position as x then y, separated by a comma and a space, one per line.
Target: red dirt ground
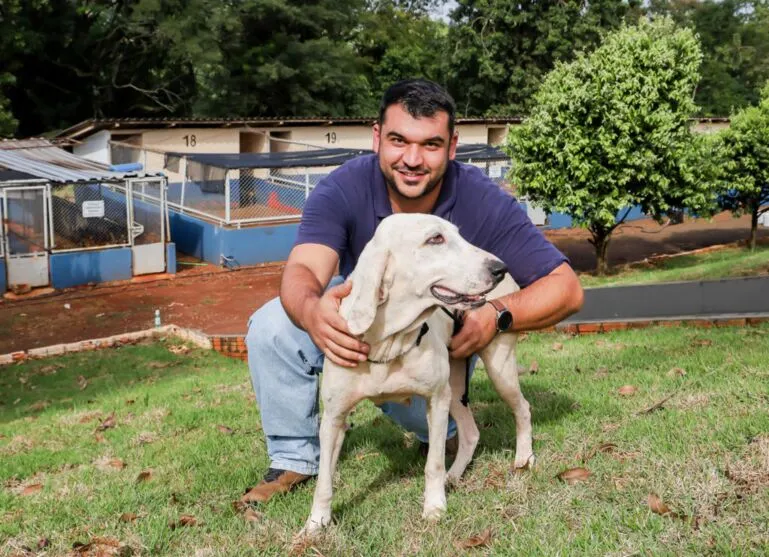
217, 301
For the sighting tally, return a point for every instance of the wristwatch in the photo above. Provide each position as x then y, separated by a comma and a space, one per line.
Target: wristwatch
504, 317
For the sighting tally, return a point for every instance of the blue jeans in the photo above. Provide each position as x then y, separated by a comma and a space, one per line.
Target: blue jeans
285, 367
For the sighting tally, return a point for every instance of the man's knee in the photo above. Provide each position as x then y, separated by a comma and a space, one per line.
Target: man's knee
266, 324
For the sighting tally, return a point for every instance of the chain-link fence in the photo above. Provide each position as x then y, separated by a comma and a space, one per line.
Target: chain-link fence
88, 216
25, 219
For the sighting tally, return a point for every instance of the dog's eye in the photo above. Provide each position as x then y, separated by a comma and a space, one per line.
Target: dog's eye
435, 240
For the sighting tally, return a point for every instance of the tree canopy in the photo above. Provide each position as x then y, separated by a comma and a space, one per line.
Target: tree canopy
62, 62
610, 131
742, 164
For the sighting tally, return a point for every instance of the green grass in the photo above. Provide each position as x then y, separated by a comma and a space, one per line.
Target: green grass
728, 262
705, 453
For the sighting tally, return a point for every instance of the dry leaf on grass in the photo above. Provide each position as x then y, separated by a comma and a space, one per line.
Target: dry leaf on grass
82, 382
99, 437
557, 346
31, 489
128, 517
101, 547
479, 540
676, 372
108, 423
534, 367
361, 456
224, 429
574, 475
144, 476
702, 342
627, 390
184, 520
178, 349
253, 516
42, 543
39, 405
656, 405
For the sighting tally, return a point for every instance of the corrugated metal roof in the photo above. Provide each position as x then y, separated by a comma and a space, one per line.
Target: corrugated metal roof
91, 126
42, 159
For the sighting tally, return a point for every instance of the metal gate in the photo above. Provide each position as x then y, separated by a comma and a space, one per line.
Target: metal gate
26, 237
147, 217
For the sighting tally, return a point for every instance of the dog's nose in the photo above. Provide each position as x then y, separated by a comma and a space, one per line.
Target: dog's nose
497, 269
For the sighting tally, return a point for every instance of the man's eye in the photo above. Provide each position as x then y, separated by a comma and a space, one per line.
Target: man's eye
435, 240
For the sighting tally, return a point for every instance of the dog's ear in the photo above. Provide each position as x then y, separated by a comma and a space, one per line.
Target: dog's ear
369, 287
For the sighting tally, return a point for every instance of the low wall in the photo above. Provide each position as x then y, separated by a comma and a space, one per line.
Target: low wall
76, 268
245, 246
734, 297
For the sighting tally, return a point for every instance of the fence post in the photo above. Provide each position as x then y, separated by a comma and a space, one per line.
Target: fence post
306, 183
183, 169
227, 196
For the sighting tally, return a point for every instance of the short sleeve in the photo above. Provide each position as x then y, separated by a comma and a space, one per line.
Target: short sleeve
511, 236
325, 217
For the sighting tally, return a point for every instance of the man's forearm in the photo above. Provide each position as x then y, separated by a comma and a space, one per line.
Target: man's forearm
300, 290
547, 301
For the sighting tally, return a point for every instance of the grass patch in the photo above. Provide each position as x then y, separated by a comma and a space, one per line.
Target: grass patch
189, 420
724, 263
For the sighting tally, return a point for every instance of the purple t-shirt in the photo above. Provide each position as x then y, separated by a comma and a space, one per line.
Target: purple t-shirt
345, 208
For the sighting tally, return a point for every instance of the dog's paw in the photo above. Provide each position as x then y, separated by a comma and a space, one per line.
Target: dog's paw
433, 513
313, 527
524, 462
452, 480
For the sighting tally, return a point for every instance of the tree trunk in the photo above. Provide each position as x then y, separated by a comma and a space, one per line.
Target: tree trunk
601, 242
753, 229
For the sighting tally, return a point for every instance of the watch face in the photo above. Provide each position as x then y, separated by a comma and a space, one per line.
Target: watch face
504, 320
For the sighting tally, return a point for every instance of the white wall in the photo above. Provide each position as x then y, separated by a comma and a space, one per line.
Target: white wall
95, 147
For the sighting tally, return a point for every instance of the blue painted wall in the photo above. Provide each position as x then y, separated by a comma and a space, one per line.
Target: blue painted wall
72, 269
562, 220
3, 277
247, 246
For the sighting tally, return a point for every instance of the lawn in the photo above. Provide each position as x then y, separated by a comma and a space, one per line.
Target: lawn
724, 263
142, 450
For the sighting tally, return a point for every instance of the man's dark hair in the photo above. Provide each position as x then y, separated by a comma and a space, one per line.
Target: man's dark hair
421, 98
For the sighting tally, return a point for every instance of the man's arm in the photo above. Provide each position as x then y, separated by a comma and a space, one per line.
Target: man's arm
543, 303
316, 310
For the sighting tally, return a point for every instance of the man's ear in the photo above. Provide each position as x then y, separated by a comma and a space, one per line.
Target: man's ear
368, 288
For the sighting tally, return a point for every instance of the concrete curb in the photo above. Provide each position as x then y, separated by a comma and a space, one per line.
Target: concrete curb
234, 346
195, 337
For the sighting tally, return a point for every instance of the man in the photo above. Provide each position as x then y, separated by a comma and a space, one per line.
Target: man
412, 171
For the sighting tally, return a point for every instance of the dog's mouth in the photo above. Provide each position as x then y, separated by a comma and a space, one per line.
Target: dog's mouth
451, 298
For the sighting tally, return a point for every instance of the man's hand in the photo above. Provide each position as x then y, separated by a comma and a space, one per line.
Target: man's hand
329, 331
478, 329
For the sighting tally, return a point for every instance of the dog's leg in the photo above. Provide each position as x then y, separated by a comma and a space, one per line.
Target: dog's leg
331, 440
467, 431
502, 368
435, 468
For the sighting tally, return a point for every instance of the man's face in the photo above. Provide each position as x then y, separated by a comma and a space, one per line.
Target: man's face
413, 152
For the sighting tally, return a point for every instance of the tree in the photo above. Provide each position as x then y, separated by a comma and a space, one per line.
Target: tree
734, 35
398, 40
610, 131
744, 164
500, 50
7, 122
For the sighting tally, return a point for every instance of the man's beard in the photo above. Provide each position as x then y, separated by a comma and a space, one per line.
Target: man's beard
429, 188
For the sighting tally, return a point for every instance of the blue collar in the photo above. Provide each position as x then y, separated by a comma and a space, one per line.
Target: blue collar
446, 198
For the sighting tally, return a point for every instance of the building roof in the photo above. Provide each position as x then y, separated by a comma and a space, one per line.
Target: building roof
320, 157
39, 158
91, 126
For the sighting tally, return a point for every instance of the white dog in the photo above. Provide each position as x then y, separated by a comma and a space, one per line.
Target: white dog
413, 265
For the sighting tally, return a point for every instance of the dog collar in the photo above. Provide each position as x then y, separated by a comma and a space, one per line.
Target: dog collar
422, 332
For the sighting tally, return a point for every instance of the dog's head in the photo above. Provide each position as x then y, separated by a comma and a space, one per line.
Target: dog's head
413, 263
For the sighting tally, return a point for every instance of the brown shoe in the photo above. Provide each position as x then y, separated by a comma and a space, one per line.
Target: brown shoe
452, 446
274, 482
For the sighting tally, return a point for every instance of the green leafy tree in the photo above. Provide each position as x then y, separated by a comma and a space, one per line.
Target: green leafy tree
399, 40
610, 131
744, 164
734, 35
7, 122
500, 51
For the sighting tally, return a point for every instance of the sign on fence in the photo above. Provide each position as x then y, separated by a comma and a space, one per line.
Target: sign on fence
93, 209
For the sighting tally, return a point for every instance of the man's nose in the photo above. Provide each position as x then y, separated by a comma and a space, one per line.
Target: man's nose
412, 156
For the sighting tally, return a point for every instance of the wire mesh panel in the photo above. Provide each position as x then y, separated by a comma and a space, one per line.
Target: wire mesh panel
25, 222
497, 170
272, 193
146, 211
88, 216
